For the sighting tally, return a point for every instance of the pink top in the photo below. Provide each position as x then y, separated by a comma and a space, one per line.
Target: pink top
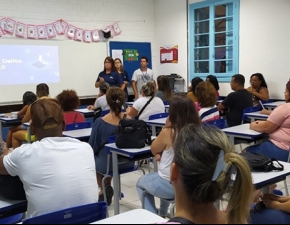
73, 117
281, 136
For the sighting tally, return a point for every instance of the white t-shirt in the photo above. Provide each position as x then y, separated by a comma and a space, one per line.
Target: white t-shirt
102, 102
56, 173
165, 164
154, 107
142, 77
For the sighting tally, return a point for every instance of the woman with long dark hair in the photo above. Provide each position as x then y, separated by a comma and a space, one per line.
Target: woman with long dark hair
157, 184
164, 91
258, 88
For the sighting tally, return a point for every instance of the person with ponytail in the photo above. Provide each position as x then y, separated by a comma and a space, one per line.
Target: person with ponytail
102, 129
201, 173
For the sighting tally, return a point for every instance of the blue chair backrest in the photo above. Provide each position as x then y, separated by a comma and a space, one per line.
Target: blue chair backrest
75, 126
250, 109
158, 116
112, 139
208, 112
75, 215
220, 123
165, 102
104, 112
12, 219
269, 101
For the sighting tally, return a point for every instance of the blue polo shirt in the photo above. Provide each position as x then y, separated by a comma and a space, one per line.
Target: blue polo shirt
125, 77
113, 78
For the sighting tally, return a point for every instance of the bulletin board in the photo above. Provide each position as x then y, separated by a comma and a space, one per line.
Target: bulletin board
131, 61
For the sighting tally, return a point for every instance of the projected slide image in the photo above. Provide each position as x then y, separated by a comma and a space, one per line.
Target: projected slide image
26, 64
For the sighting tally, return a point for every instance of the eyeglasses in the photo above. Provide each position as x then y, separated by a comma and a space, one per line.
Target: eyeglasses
107, 62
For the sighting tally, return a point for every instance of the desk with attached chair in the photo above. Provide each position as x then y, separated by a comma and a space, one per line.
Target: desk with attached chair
242, 131
131, 154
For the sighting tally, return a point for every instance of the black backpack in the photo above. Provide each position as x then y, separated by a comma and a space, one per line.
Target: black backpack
261, 163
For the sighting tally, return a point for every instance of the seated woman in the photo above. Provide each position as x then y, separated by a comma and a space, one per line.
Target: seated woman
258, 88
206, 100
154, 107
194, 82
157, 184
212, 79
203, 164
102, 129
27, 99
101, 101
70, 101
164, 91
278, 127
42, 91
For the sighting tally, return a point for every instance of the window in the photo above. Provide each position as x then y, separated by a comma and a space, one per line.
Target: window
214, 39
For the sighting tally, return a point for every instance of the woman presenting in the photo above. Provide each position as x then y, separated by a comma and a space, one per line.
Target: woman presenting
110, 75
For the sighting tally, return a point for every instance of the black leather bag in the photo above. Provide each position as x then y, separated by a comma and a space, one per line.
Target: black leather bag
261, 163
133, 133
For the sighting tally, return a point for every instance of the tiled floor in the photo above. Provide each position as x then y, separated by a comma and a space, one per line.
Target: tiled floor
128, 188
131, 198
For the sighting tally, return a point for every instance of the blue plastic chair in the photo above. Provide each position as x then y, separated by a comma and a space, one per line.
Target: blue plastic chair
158, 116
220, 123
83, 214
104, 112
269, 101
12, 219
165, 102
250, 109
75, 126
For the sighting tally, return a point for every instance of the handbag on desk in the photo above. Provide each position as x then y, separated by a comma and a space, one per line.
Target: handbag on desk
261, 163
133, 133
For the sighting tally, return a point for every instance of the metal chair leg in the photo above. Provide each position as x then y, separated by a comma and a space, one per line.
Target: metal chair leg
286, 187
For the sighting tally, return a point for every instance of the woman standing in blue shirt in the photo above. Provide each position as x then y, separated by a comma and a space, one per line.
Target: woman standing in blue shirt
110, 75
120, 70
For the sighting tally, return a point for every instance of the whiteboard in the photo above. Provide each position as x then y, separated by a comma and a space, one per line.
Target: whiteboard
79, 66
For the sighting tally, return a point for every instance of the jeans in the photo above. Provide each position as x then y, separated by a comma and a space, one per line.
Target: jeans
154, 185
269, 149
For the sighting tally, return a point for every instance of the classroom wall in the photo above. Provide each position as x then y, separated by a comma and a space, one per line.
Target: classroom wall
264, 39
171, 29
136, 18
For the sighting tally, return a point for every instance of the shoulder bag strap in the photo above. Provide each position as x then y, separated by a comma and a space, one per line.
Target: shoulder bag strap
147, 103
280, 167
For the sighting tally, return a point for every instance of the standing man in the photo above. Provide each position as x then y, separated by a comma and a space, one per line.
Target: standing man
57, 172
236, 101
141, 76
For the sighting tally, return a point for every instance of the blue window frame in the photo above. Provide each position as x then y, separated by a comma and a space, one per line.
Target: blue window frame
214, 39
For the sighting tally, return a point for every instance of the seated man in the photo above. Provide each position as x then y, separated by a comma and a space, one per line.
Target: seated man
236, 101
57, 172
